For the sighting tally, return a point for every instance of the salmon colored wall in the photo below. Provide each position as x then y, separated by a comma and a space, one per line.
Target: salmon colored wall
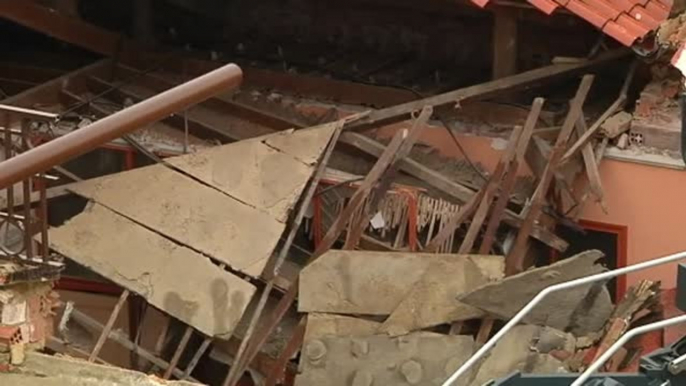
649, 201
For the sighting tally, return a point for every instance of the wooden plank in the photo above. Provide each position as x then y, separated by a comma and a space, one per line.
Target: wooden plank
515, 259
108, 326
484, 90
616, 105
489, 191
511, 177
504, 42
177, 354
460, 193
591, 165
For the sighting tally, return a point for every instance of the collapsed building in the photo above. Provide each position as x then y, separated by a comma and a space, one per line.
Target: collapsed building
310, 193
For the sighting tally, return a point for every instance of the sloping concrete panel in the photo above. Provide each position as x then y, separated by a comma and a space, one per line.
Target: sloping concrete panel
191, 213
173, 278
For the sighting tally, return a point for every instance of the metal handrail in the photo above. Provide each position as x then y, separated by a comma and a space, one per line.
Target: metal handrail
621, 342
549, 290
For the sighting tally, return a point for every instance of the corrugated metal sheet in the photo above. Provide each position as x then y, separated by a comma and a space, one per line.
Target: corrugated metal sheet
624, 20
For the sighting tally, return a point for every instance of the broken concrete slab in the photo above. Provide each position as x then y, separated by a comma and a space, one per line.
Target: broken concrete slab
416, 359
321, 325
273, 169
505, 298
190, 213
431, 300
171, 277
44, 370
363, 282
519, 351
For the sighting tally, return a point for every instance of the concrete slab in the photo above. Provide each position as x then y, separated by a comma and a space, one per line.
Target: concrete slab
506, 297
190, 213
45, 370
431, 300
171, 277
415, 359
363, 282
322, 325
268, 173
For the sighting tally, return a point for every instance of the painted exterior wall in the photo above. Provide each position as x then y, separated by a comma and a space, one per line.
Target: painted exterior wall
650, 201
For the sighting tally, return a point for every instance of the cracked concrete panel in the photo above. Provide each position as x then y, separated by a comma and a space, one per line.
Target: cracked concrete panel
342, 281
321, 325
559, 310
431, 300
258, 172
305, 145
520, 350
45, 370
173, 278
190, 213
416, 359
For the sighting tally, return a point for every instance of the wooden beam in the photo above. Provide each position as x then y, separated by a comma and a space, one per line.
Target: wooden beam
484, 90
459, 193
510, 178
514, 262
108, 326
591, 165
504, 42
179, 351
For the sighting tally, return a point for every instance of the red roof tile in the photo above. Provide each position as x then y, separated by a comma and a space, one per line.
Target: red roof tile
624, 20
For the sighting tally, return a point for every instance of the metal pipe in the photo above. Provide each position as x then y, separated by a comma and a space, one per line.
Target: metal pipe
622, 341
114, 126
549, 290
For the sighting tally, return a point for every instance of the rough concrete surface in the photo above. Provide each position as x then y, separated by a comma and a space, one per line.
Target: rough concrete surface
191, 213
366, 283
273, 170
322, 325
44, 370
431, 301
559, 310
183, 283
517, 351
415, 359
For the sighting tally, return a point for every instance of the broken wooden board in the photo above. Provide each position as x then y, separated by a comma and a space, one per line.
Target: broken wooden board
417, 359
171, 277
431, 301
190, 213
559, 310
367, 283
268, 173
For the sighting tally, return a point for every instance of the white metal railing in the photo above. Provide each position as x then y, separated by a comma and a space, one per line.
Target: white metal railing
549, 290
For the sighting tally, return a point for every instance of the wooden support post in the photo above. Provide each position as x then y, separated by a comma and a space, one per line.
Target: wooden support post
504, 42
511, 177
179, 351
108, 326
514, 262
489, 191
591, 165
196, 358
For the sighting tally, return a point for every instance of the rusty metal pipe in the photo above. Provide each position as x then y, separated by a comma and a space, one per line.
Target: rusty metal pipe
118, 124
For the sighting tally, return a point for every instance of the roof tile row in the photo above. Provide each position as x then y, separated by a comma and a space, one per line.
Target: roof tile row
624, 20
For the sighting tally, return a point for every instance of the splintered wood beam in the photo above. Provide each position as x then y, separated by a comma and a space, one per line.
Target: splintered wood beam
179, 351
489, 192
514, 261
459, 193
484, 90
511, 177
591, 165
108, 326
616, 105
